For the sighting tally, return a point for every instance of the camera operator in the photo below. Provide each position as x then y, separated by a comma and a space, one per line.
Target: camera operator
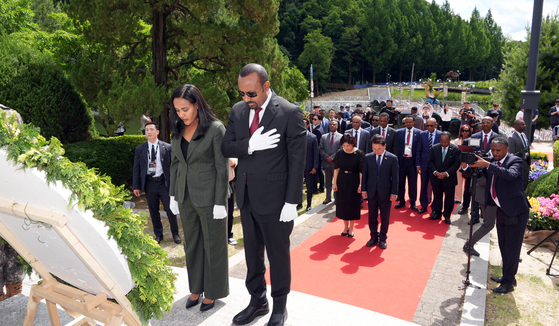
505, 189
519, 146
484, 135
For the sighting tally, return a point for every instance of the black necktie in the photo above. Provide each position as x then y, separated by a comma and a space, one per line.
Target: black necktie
153, 153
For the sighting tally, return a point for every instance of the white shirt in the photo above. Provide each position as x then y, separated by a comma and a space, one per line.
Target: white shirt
496, 199
520, 115
409, 131
261, 113
158, 166
446, 116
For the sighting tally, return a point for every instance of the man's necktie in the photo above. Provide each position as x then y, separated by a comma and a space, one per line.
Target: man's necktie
378, 162
383, 133
431, 141
444, 153
331, 139
255, 121
153, 155
356, 138
524, 141
408, 140
493, 192
485, 143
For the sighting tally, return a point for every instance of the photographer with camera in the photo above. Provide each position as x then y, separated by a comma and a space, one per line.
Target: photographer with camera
505, 189
519, 146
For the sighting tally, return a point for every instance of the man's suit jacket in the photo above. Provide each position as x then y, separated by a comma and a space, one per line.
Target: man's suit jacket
364, 140
312, 153
140, 169
385, 179
508, 185
317, 132
422, 154
391, 137
480, 135
205, 171
516, 146
450, 165
342, 126
402, 142
273, 176
555, 117
325, 125
326, 150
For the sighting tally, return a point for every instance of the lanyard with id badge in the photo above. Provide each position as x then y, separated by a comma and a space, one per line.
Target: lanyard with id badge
151, 164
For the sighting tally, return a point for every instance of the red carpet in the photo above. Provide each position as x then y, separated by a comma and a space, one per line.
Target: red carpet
388, 281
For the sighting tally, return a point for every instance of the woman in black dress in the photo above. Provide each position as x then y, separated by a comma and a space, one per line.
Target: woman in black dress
348, 166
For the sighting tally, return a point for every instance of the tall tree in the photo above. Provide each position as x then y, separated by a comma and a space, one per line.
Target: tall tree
318, 52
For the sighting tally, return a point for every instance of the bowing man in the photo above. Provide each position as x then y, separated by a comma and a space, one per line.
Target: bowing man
444, 161
380, 185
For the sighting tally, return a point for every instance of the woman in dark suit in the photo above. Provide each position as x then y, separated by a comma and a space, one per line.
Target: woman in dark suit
199, 181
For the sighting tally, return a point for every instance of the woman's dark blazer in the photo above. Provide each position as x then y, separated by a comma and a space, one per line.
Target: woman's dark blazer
205, 171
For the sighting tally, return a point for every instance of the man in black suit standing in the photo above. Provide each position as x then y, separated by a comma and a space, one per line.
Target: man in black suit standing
380, 185
519, 146
311, 165
267, 134
388, 133
361, 135
318, 178
505, 189
444, 161
152, 169
407, 148
554, 113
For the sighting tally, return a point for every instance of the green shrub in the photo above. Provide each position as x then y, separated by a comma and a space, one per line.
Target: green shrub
539, 156
544, 186
32, 84
112, 156
556, 153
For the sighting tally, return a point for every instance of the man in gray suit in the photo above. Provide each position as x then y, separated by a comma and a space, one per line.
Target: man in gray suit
361, 135
329, 145
519, 146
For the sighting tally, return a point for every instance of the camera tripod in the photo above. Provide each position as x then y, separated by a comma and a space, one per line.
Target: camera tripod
466, 283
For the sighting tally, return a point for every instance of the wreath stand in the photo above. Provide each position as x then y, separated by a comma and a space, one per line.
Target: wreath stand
84, 307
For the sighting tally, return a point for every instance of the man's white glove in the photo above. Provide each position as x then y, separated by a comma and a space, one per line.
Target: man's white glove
219, 212
260, 141
174, 206
288, 212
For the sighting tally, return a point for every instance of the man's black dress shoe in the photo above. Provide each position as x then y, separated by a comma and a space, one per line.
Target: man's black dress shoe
400, 205
191, 303
447, 220
372, 242
158, 238
475, 221
177, 238
299, 206
321, 190
309, 208
457, 202
207, 306
278, 319
249, 313
422, 210
382, 245
500, 280
434, 216
462, 211
414, 208
503, 289
472, 251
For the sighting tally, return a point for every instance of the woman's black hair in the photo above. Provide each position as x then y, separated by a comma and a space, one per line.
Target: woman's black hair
348, 138
205, 115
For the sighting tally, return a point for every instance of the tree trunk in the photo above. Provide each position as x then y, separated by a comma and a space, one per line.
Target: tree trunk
159, 44
349, 70
374, 78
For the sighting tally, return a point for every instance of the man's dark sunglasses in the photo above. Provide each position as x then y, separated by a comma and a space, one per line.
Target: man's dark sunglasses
430, 125
249, 94
376, 120
466, 130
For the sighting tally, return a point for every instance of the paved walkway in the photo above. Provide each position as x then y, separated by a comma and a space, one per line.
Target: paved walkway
442, 302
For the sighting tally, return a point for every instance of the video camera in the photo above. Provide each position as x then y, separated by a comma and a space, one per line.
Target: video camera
469, 153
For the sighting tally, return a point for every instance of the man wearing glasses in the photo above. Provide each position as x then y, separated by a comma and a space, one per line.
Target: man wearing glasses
427, 139
267, 134
499, 111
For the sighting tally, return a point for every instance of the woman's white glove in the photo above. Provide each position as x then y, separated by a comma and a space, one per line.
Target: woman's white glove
288, 212
260, 141
174, 206
219, 212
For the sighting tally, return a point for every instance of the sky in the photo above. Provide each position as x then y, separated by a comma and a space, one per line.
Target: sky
512, 15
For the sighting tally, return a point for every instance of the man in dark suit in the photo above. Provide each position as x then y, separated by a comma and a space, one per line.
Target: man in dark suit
554, 113
359, 112
499, 112
361, 135
380, 185
388, 133
311, 165
519, 146
318, 178
407, 148
152, 169
328, 148
267, 134
427, 139
342, 123
444, 161
504, 187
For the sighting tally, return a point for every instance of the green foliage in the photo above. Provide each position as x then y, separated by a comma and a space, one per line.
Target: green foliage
556, 153
515, 70
113, 157
32, 84
147, 261
539, 156
318, 52
15, 16
544, 186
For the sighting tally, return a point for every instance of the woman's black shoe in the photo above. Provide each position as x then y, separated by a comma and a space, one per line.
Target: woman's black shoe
191, 303
350, 235
344, 234
207, 306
